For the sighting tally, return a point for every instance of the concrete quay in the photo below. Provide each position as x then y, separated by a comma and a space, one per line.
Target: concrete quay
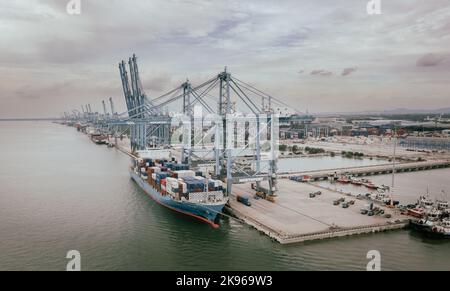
295, 217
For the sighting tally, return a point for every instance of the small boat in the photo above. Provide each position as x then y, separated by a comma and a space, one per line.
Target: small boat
435, 214
421, 224
417, 212
442, 205
356, 182
425, 202
430, 215
370, 185
304, 178
344, 180
99, 138
81, 127
434, 229
385, 187
441, 230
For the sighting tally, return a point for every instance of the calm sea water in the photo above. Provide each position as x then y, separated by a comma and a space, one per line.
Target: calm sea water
61, 192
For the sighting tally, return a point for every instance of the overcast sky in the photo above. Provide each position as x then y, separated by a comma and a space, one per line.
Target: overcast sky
321, 56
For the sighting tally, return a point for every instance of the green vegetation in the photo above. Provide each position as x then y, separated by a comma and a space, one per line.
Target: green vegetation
424, 128
296, 150
352, 154
297, 126
283, 147
313, 151
417, 117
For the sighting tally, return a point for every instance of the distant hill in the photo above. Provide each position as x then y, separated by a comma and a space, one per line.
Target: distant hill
30, 119
391, 112
417, 111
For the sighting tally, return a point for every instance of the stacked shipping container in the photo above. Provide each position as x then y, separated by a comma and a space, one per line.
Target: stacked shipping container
176, 179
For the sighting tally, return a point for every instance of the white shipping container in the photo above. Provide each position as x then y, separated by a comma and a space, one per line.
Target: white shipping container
154, 176
171, 180
185, 173
156, 169
206, 170
172, 185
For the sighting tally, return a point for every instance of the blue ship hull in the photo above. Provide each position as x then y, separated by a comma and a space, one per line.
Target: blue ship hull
206, 213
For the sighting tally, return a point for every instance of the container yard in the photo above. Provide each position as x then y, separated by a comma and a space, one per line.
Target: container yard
296, 216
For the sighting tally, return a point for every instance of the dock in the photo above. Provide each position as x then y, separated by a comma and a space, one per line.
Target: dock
295, 217
370, 170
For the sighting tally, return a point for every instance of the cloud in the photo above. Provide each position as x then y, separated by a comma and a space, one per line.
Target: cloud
293, 38
430, 60
348, 71
266, 43
157, 83
321, 73
35, 91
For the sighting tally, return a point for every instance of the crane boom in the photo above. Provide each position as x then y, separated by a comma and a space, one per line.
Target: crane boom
104, 107
126, 88
112, 106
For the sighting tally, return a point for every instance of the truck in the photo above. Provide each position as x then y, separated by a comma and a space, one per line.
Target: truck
244, 200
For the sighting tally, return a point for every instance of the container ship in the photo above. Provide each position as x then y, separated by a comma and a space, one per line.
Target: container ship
96, 136
178, 188
99, 138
